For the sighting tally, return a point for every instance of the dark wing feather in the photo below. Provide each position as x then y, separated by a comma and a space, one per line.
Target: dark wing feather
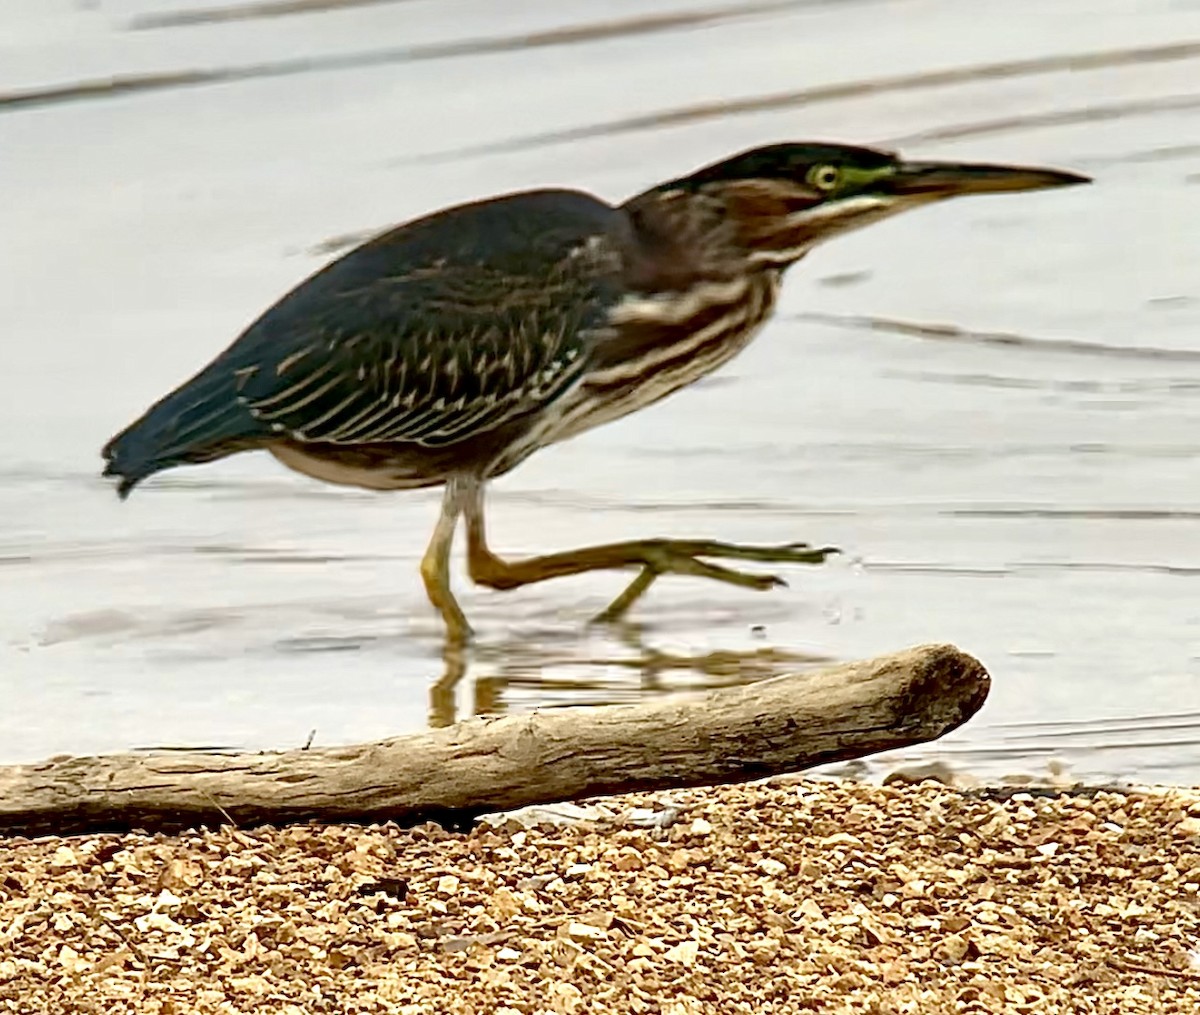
430, 333
430, 338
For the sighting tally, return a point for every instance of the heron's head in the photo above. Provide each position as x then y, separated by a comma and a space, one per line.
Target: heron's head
786, 198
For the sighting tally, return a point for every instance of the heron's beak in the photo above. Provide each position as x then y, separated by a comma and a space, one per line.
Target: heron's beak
911, 185
934, 180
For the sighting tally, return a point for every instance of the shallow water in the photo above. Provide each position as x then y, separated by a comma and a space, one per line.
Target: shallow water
992, 406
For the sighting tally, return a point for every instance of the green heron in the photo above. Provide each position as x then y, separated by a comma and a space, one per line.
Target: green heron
448, 350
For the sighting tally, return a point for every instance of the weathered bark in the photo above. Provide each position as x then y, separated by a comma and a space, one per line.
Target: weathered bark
779, 725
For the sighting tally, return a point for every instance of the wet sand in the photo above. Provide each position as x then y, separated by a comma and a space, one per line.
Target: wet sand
992, 406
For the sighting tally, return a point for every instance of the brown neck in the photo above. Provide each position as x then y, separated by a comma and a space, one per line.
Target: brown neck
724, 230
682, 239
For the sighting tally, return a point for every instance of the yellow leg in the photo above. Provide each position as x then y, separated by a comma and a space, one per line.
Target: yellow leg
435, 565
653, 557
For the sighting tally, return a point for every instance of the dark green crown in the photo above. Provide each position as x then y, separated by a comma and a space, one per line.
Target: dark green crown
785, 161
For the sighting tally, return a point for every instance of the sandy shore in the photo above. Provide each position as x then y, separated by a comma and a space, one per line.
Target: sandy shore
791, 896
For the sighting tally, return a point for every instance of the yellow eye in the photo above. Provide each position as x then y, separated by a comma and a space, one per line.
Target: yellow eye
824, 177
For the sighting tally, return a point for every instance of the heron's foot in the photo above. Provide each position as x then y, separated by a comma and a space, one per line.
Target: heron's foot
653, 557
686, 557
437, 588
458, 631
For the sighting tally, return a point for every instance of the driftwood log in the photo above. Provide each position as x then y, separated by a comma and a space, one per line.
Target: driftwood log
783, 724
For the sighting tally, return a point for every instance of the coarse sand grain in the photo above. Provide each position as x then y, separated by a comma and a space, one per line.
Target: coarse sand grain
793, 895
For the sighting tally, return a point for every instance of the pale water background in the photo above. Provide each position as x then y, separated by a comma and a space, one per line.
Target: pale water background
993, 406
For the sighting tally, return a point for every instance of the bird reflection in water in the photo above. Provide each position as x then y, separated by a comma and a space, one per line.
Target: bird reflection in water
532, 666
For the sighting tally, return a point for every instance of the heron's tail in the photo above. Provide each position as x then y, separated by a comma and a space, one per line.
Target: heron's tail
197, 422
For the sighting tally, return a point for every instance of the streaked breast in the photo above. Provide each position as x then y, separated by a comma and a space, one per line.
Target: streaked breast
662, 343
